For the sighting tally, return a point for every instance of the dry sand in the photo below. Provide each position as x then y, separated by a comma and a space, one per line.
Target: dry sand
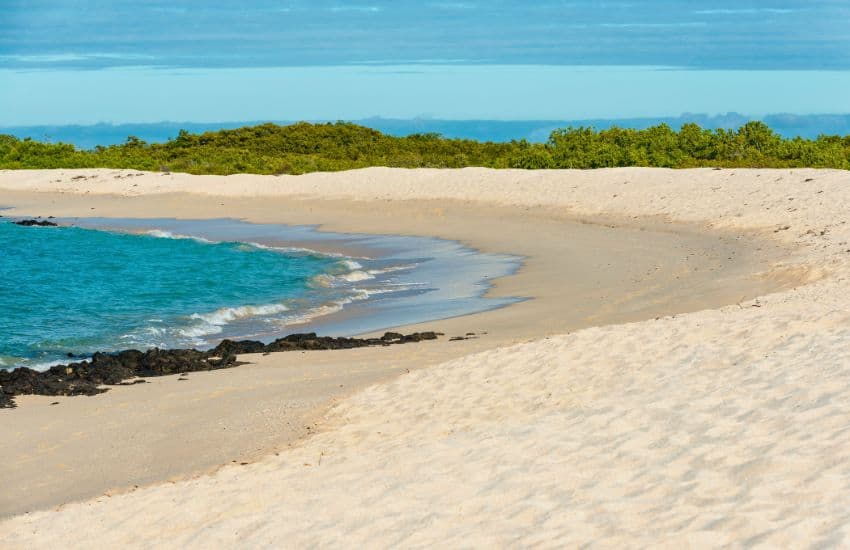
576, 274
723, 426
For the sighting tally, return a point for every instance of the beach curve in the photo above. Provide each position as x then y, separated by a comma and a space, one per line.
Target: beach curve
658, 430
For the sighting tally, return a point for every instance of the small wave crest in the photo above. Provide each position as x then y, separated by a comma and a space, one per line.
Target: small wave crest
355, 274
228, 314
392, 269
322, 281
160, 234
40, 366
209, 324
296, 250
324, 309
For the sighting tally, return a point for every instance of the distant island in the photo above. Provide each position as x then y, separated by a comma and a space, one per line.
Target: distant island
305, 147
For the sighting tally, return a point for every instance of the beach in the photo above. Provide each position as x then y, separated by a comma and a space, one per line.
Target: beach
675, 374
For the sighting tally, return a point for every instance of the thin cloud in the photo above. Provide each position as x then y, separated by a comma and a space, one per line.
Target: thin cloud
744, 11
362, 9
653, 25
422, 61
72, 57
453, 5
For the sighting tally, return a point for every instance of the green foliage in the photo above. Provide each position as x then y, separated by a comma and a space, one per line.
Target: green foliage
531, 156
304, 147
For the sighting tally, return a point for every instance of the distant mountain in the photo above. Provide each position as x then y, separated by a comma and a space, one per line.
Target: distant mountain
87, 137
787, 125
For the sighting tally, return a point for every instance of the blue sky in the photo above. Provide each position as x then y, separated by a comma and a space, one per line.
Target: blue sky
75, 61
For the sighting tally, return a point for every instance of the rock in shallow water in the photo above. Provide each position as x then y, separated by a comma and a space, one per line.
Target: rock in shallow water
87, 377
35, 223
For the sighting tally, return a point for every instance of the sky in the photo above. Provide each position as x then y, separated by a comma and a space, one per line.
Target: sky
75, 61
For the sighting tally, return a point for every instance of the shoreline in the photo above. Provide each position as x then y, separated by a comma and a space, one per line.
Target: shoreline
606, 368
104, 370
577, 272
408, 265
378, 282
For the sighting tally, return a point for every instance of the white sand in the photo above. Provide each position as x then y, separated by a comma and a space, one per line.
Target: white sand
719, 427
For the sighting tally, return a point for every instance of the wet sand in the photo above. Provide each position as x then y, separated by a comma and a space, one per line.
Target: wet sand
575, 273
667, 248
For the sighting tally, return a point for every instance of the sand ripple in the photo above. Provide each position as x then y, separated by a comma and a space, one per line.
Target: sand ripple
723, 427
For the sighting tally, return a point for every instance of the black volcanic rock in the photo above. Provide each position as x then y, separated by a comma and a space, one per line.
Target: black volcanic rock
231, 347
87, 377
35, 223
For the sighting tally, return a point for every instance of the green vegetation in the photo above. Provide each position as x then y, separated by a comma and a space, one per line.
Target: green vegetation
304, 147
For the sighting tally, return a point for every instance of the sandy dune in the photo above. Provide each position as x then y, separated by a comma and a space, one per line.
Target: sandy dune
712, 428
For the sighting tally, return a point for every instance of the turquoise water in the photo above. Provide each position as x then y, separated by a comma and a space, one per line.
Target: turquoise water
67, 289
104, 284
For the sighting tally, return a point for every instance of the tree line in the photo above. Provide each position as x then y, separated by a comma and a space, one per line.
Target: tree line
304, 147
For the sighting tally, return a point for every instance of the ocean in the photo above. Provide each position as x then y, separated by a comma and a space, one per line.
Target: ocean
107, 285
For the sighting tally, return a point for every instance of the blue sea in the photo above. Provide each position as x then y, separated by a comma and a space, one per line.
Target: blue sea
538, 131
105, 284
